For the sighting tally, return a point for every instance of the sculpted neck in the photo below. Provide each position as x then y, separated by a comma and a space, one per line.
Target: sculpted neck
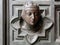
26, 26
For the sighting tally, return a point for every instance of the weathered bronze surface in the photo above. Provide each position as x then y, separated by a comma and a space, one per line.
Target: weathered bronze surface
31, 22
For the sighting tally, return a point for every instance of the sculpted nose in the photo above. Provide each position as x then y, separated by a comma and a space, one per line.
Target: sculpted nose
32, 16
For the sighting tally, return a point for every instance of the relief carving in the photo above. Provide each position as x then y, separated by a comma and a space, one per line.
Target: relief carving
31, 22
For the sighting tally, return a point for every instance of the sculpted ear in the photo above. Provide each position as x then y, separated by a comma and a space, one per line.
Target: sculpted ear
23, 14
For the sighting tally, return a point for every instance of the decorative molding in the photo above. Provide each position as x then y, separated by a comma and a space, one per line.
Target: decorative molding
5, 27
57, 22
18, 9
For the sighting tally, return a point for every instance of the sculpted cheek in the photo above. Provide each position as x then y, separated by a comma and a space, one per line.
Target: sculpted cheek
27, 19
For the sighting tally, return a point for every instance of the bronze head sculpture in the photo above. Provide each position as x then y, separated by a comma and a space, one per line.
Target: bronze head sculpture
32, 16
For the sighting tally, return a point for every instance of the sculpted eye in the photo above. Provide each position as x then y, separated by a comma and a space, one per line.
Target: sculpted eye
29, 14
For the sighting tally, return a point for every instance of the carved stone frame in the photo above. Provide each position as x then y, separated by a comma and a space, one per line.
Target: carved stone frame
6, 20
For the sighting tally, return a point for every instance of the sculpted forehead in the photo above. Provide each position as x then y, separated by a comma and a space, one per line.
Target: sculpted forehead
31, 10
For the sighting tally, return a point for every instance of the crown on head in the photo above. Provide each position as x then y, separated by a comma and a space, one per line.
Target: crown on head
31, 4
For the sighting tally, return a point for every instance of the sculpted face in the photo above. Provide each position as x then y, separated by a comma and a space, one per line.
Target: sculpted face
31, 14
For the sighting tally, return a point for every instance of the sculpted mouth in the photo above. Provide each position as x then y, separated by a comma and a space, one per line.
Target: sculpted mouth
32, 20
